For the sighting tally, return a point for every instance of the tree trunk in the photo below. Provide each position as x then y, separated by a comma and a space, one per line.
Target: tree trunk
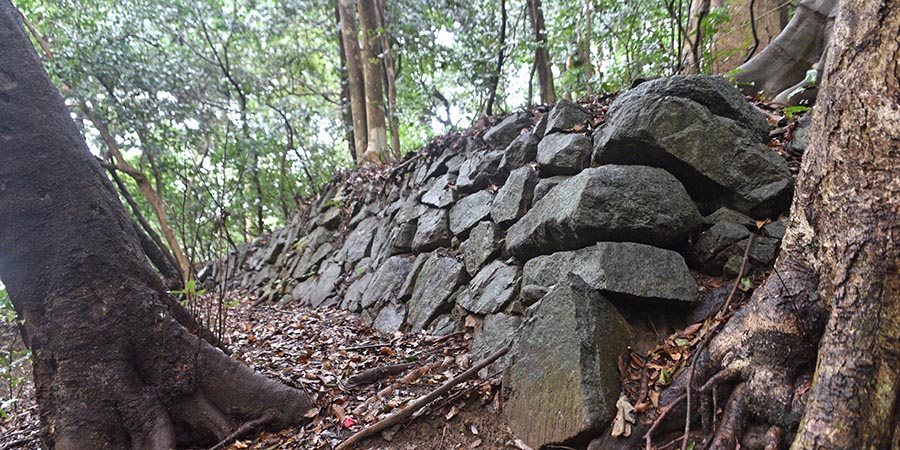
356, 84
785, 61
830, 310
586, 47
752, 25
390, 78
501, 54
154, 198
372, 73
541, 54
112, 368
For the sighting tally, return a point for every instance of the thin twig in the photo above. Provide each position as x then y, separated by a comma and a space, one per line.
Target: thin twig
246, 428
737, 281
418, 404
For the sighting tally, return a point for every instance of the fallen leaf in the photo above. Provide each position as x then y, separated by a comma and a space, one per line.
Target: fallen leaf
476, 443
348, 422
624, 418
452, 413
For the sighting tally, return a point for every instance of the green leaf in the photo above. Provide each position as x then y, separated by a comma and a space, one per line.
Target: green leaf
746, 284
681, 342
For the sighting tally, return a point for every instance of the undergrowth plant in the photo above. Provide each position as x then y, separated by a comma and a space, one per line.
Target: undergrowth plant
13, 362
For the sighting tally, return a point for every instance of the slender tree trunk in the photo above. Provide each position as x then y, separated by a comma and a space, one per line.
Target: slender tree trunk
501, 55
112, 368
156, 202
350, 38
346, 112
586, 47
742, 37
390, 79
541, 54
372, 73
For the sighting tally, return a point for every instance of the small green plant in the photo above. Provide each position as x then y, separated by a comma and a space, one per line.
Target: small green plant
190, 292
789, 111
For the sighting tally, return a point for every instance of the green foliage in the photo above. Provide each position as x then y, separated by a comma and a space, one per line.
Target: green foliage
789, 111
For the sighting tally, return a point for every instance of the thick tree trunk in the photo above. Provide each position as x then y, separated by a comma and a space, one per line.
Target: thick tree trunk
785, 61
830, 310
112, 368
752, 25
350, 41
372, 73
541, 54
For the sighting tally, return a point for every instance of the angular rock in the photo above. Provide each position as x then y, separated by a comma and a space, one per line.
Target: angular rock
800, 136
500, 135
390, 318
359, 241
440, 193
729, 215
497, 332
776, 229
315, 290
564, 154
491, 289
716, 93
562, 379
387, 281
432, 232
310, 260
520, 152
564, 116
540, 128
469, 210
482, 245
514, 198
762, 254
718, 160
352, 296
481, 169
402, 238
439, 279
623, 270
710, 244
330, 219
409, 284
609, 203
444, 325
545, 184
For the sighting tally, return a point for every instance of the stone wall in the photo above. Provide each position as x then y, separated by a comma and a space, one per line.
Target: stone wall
559, 225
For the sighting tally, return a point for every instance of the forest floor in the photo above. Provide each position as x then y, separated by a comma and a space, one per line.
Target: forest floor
318, 351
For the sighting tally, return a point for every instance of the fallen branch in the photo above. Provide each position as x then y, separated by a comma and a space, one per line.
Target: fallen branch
409, 378
418, 404
376, 373
246, 428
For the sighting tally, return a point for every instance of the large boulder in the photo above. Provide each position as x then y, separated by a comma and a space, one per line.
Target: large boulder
497, 331
491, 289
609, 203
514, 198
469, 210
714, 92
438, 280
545, 184
482, 245
564, 154
619, 270
432, 231
718, 159
562, 382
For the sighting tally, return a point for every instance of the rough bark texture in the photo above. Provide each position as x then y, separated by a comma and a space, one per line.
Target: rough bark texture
373, 74
784, 62
541, 54
733, 42
112, 368
390, 79
830, 311
350, 39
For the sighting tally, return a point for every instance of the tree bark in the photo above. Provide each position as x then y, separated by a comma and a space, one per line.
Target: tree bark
586, 47
732, 44
784, 62
112, 368
390, 78
541, 54
372, 73
350, 42
830, 310
501, 55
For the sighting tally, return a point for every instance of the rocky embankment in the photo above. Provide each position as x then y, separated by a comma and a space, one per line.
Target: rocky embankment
574, 234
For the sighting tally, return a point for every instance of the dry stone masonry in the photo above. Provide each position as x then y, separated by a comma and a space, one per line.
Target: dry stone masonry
547, 231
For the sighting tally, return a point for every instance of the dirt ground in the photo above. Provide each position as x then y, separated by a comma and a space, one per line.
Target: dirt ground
319, 350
